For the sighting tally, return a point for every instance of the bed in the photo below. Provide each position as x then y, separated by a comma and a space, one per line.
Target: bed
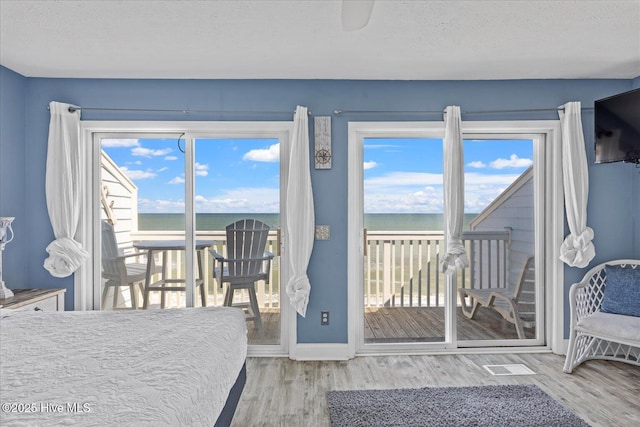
144, 368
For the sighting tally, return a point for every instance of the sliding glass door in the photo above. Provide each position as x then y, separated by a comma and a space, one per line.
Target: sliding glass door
164, 197
400, 298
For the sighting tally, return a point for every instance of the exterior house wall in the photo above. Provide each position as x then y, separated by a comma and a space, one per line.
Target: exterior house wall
514, 209
119, 201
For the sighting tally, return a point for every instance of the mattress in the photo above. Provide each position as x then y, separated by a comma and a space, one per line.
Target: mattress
144, 368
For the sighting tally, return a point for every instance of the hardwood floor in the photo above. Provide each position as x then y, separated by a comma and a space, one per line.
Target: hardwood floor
281, 392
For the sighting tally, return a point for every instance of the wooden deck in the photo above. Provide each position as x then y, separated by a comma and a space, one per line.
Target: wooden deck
271, 325
407, 324
415, 324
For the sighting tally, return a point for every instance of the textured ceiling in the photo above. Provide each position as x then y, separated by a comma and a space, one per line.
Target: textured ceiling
303, 39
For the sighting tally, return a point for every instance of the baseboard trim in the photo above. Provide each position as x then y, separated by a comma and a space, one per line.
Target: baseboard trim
564, 349
322, 351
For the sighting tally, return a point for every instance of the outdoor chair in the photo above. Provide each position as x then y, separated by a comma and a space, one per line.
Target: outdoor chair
516, 304
246, 262
117, 272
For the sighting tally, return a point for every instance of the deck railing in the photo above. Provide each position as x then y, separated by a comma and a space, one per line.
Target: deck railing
268, 293
402, 269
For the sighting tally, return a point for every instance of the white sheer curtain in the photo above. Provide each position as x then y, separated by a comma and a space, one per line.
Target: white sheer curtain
300, 215
577, 249
65, 163
453, 171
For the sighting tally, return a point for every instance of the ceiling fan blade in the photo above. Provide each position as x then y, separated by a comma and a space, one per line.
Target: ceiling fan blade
356, 14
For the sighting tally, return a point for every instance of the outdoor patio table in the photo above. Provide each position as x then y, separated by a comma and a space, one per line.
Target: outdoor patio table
152, 246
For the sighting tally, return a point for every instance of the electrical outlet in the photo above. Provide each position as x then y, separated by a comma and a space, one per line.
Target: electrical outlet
324, 318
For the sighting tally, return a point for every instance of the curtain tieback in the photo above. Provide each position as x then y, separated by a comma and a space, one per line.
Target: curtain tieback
65, 256
298, 291
455, 258
577, 249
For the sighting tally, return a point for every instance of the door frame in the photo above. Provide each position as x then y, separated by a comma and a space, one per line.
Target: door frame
551, 221
87, 278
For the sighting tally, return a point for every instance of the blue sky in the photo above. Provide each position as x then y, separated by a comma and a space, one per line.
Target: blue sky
405, 176
242, 175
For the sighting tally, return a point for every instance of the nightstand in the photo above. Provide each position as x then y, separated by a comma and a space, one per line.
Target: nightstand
35, 299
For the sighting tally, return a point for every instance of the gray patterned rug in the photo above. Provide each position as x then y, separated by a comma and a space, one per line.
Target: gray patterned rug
496, 405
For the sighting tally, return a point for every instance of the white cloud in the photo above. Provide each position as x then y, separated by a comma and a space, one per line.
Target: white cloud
163, 169
403, 179
414, 192
477, 164
403, 192
148, 152
137, 174
369, 165
177, 180
171, 158
421, 201
201, 170
160, 206
120, 143
513, 162
245, 199
271, 154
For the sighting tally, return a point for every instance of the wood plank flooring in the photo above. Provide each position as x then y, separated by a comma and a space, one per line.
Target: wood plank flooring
281, 392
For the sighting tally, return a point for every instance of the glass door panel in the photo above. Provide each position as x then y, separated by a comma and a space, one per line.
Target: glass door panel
404, 291
238, 179
500, 239
142, 212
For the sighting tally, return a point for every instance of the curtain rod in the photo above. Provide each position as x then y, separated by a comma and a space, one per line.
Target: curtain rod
530, 110
184, 111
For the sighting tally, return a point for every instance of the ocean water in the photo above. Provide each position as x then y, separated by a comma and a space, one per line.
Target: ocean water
373, 222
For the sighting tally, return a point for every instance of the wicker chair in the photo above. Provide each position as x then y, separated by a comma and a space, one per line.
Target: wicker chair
598, 335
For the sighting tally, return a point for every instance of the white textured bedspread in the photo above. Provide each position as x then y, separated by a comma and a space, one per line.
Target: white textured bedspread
139, 368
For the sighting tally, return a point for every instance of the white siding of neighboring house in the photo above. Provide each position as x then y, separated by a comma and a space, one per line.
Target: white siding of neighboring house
513, 208
123, 198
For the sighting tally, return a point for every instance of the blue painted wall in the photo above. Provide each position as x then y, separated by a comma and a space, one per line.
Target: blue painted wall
12, 172
610, 184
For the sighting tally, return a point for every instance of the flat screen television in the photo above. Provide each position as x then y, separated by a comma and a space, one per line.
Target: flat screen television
617, 128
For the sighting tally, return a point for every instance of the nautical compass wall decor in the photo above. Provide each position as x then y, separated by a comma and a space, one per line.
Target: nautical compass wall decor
322, 133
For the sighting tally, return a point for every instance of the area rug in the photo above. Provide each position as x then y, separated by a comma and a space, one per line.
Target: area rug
497, 405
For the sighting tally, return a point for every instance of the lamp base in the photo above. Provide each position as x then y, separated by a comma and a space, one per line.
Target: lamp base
4, 291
